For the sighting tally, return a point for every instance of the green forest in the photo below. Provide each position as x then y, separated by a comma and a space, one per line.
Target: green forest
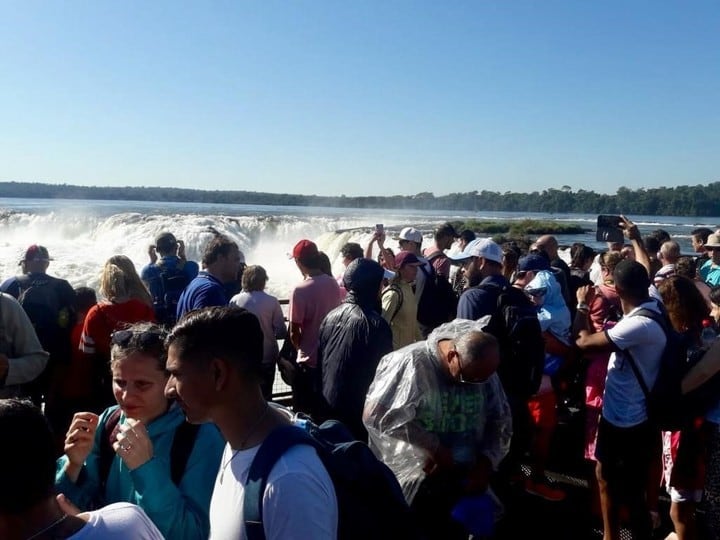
695, 200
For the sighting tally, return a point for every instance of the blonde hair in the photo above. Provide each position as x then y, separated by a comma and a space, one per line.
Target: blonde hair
120, 281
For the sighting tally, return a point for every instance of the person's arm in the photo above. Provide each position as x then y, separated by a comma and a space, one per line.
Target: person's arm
633, 233
279, 326
82, 486
27, 358
182, 511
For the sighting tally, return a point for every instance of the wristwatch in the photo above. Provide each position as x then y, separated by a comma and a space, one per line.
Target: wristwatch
582, 306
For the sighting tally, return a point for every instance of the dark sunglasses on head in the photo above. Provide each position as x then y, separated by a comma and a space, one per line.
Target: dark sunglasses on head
145, 339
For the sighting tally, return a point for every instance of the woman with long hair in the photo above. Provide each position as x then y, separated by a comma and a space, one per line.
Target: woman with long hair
126, 300
683, 463
141, 450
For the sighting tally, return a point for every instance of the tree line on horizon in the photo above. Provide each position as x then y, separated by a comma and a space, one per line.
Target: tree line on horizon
695, 200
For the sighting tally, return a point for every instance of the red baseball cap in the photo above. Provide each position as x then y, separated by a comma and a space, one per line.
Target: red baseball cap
36, 253
303, 249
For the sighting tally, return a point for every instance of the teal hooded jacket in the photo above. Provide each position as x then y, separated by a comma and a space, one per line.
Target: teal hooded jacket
179, 512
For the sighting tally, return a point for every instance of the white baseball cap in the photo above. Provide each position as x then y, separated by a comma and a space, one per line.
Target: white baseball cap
411, 234
480, 247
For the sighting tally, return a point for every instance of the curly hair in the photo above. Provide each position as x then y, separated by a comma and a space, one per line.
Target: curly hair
684, 303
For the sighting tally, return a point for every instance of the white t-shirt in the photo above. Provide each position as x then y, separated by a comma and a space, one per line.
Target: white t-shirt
298, 504
624, 400
118, 521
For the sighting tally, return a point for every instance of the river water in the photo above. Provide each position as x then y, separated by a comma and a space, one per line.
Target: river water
82, 234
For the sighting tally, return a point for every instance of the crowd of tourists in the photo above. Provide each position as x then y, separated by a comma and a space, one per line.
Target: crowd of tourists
145, 409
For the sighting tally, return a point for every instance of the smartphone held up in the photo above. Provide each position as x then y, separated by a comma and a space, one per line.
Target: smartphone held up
609, 229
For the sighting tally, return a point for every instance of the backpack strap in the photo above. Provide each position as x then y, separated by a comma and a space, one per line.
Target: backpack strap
435, 255
182, 445
400, 299
107, 438
274, 446
660, 319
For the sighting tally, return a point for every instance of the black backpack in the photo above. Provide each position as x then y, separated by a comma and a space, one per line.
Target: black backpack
668, 408
41, 301
437, 303
182, 445
371, 504
172, 282
522, 349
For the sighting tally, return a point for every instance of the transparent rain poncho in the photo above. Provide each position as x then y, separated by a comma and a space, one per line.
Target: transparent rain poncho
413, 406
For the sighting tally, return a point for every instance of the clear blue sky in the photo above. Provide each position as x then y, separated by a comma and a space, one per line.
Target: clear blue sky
361, 97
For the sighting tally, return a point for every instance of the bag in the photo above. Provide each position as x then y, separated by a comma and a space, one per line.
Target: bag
182, 445
371, 504
522, 349
170, 285
40, 300
667, 407
287, 362
438, 302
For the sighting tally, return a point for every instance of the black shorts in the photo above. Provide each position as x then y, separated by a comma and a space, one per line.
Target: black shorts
626, 453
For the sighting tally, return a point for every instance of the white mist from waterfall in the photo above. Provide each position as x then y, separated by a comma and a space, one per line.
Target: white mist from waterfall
80, 242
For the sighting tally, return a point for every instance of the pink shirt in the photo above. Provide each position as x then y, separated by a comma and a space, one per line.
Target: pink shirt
310, 301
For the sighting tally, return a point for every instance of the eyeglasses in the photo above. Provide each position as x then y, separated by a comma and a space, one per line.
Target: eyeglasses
463, 380
143, 340
521, 274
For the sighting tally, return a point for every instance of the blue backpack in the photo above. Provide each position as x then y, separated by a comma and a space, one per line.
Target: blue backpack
371, 504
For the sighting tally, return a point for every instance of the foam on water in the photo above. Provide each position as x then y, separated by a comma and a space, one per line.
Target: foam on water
82, 235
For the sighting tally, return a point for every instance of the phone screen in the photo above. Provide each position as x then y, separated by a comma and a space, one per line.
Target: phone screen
379, 228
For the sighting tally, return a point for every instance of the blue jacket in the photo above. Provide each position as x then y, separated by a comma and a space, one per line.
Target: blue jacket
482, 300
179, 512
203, 291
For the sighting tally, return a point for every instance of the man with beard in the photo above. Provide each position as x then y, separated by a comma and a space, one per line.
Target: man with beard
482, 262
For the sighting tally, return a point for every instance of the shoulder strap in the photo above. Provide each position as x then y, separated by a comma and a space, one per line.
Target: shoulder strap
274, 446
182, 445
107, 437
662, 321
400, 299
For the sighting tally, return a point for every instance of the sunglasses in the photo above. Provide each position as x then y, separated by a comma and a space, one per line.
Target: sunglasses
463, 380
143, 340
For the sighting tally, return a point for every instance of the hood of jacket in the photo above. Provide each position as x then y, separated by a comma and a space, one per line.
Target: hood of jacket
362, 281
